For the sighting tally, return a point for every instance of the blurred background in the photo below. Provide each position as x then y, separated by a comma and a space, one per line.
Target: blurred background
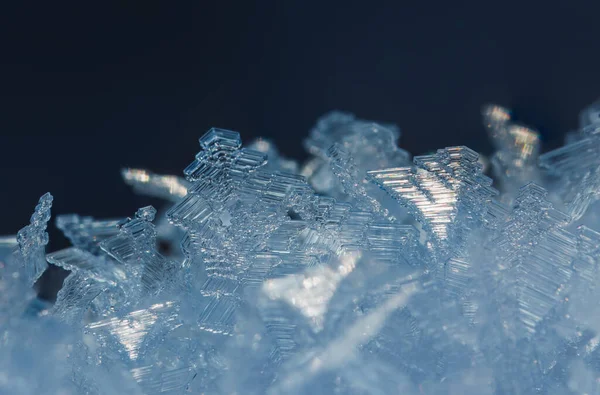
87, 89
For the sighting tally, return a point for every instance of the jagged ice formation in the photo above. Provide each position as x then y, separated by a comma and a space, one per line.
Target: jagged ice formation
359, 272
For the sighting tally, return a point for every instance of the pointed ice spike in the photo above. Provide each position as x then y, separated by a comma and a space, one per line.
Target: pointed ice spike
135, 244
135, 237
33, 238
75, 297
86, 232
165, 187
74, 259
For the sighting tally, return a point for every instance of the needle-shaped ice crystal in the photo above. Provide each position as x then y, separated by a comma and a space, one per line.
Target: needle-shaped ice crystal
33, 238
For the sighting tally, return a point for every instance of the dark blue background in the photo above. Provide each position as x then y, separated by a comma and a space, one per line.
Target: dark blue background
87, 89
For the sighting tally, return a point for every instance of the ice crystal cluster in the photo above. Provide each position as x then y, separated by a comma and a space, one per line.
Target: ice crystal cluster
360, 272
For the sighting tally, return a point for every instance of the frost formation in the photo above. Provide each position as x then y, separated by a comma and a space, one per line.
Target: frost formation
359, 272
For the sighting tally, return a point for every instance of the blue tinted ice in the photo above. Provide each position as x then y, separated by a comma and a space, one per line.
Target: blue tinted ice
345, 149
577, 165
86, 232
32, 240
358, 272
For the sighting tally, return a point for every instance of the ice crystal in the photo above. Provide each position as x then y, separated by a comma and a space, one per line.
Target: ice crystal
358, 272
32, 240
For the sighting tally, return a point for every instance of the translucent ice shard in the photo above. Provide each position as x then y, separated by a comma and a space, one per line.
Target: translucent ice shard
90, 276
577, 166
32, 240
446, 192
346, 149
534, 253
86, 232
135, 247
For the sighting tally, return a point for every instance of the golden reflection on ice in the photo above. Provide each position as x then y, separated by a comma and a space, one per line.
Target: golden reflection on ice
311, 291
521, 142
155, 184
526, 142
